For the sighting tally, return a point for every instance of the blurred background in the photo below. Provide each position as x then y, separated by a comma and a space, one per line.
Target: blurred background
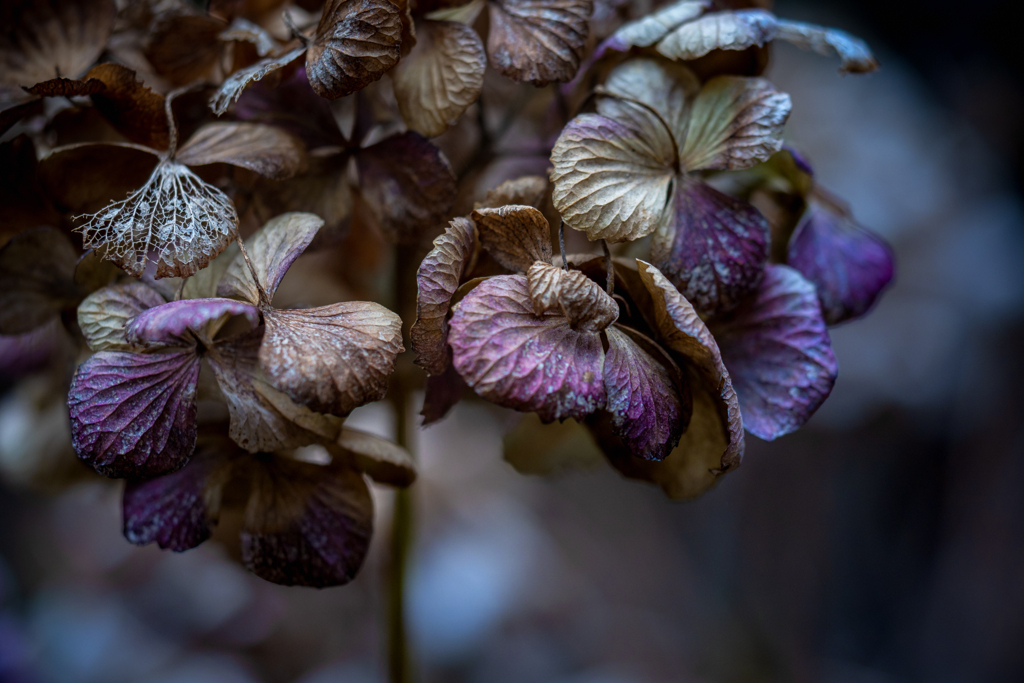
882, 543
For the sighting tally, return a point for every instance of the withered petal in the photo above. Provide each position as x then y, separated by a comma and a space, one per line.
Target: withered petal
83, 178
583, 302
440, 395
381, 459
334, 358
437, 279
356, 42
725, 30
538, 41
409, 185
131, 107
184, 48
848, 264
243, 30
134, 415
37, 270
272, 251
441, 77
854, 54
516, 236
306, 525
103, 316
779, 355
651, 28
512, 357
266, 150
714, 250
168, 323
528, 190
232, 88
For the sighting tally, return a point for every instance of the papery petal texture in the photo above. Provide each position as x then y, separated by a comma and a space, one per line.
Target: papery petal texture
645, 406
266, 150
381, 459
232, 88
517, 359
582, 301
778, 353
103, 316
306, 525
168, 323
854, 54
134, 415
539, 41
726, 30
356, 42
848, 264
332, 359
272, 251
648, 30
437, 279
716, 249
516, 236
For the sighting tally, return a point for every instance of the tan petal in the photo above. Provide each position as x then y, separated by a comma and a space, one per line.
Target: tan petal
232, 88
441, 77
263, 418
266, 150
656, 25
726, 30
243, 30
854, 54
272, 250
356, 42
332, 358
36, 279
538, 41
131, 107
436, 281
667, 90
735, 123
587, 306
516, 236
103, 316
203, 285
611, 181
528, 190
184, 48
464, 14
383, 460
532, 447
42, 40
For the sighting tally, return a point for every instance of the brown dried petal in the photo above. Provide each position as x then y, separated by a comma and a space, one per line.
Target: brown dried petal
516, 236
232, 88
103, 316
436, 280
243, 30
356, 42
183, 47
538, 41
587, 306
272, 251
36, 279
83, 178
266, 150
66, 87
42, 40
332, 358
324, 190
854, 54
263, 418
131, 107
383, 460
726, 30
528, 190
735, 123
441, 77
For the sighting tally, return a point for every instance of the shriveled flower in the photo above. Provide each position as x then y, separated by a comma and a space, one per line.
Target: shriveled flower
633, 168
175, 218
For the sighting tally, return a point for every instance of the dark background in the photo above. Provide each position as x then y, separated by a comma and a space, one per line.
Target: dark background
883, 543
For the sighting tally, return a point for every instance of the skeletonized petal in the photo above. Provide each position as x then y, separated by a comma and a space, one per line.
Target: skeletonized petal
436, 281
134, 415
517, 359
778, 353
332, 359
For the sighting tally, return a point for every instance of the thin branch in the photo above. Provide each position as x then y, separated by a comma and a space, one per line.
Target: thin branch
609, 269
561, 244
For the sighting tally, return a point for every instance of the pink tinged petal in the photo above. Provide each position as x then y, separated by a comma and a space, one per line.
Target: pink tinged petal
306, 525
134, 415
517, 359
436, 281
171, 510
717, 249
778, 353
646, 411
167, 324
848, 264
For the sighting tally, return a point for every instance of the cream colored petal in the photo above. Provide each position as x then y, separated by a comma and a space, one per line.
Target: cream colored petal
656, 25
725, 30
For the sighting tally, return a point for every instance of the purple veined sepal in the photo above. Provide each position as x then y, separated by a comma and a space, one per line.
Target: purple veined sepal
778, 353
848, 264
133, 415
167, 324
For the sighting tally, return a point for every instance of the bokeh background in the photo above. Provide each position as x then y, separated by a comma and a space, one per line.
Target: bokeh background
883, 543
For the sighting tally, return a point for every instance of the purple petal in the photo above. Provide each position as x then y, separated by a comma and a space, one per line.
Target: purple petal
23, 354
441, 394
134, 415
778, 353
799, 160
170, 510
166, 324
518, 359
307, 525
316, 126
848, 264
716, 252
644, 404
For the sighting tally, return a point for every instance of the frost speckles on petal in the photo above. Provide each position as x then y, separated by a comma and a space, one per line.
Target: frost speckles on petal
182, 220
